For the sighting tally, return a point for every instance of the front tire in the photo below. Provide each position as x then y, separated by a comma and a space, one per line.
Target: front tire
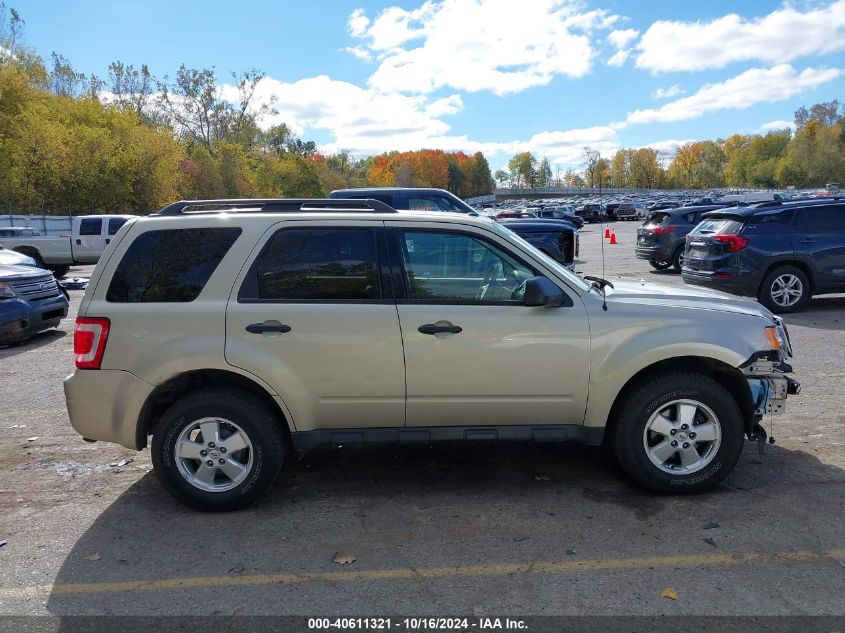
785, 289
679, 432
217, 449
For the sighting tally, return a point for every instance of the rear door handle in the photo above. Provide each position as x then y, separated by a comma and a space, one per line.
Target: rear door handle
267, 328
806, 241
431, 328
79, 242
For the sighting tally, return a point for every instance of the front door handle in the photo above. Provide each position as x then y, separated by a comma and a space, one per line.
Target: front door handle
433, 328
806, 241
268, 327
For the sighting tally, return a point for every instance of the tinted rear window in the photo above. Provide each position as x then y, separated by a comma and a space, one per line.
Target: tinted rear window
657, 219
115, 224
717, 226
170, 266
316, 265
822, 219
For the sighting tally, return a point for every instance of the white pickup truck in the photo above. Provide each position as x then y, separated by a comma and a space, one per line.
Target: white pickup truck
84, 244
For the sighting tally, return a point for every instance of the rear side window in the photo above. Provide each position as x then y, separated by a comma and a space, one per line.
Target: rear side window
822, 219
90, 227
170, 266
316, 265
717, 226
115, 224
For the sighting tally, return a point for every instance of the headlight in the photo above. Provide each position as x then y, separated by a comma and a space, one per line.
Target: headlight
6, 291
774, 337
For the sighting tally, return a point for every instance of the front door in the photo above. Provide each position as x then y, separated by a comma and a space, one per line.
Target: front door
475, 355
313, 316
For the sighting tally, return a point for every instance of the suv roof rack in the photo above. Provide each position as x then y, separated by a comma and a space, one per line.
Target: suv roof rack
276, 205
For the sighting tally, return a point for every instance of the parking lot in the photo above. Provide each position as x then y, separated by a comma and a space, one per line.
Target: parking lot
470, 529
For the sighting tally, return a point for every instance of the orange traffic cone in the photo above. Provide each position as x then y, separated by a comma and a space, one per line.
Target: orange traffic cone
613, 238
606, 232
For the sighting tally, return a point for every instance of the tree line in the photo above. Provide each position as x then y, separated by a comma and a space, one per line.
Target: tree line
811, 156
132, 142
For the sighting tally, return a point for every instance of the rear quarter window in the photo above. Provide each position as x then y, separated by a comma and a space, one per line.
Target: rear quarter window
169, 266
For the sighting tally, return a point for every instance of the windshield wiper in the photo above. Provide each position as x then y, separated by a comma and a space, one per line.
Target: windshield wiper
599, 284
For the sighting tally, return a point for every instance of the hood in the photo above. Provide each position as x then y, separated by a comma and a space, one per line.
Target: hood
650, 293
21, 272
13, 258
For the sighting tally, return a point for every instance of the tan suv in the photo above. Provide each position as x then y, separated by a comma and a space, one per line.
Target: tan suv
235, 331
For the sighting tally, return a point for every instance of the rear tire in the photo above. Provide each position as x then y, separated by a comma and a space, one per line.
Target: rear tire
678, 259
659, 264
231, 467
652, 415
785, 289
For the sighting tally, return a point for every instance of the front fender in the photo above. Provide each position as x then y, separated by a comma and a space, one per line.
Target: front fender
623, 347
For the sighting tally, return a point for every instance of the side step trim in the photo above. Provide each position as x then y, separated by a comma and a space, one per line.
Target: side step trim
304, 440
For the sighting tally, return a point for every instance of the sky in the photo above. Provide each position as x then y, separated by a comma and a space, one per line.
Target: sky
497, 76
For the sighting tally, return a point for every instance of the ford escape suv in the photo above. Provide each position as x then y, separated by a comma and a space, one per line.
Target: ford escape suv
232, 332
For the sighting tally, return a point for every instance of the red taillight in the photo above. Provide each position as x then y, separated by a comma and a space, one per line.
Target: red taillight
735, 242
664, 230
89, 341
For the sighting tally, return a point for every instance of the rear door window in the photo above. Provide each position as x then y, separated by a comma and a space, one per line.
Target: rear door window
91, 226
169, 266
316, 264
823, 219
115, 224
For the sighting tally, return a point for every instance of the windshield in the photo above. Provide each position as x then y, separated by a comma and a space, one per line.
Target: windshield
577, 281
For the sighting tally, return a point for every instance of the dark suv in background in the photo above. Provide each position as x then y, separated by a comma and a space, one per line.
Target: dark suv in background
660, 239
781, 252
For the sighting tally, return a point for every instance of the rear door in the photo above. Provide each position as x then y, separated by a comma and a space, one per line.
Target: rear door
313, 315
821, 244
89, 242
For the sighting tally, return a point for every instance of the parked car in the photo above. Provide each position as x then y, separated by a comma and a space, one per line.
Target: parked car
591, 212
30, 302
13, 258
89, 236
558, 214
752, 197
556, 238
781, 253
511, 214
352, 323
661, 238
630, 211
409, 198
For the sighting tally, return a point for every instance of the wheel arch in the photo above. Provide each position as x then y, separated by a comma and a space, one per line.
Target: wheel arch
795, 263
177, 386
729, 377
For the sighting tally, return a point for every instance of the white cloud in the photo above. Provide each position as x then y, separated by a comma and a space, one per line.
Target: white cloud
619, 58
473, 45
781, 36
757, 85
448, 105
668, 93
360, 52
622, 38
776, 125
357, 23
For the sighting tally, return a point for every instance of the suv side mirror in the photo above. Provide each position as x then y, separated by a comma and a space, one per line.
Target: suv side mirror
542, 291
